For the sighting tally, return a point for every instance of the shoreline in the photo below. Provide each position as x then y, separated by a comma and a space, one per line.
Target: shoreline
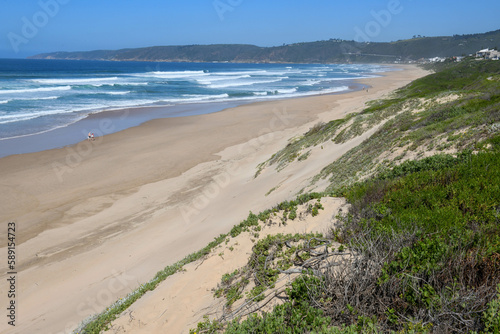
110, 121
97, 219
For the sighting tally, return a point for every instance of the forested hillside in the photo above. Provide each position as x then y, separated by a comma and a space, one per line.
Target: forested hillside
331, 51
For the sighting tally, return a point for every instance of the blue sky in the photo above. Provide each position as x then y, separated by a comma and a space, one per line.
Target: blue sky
29, 27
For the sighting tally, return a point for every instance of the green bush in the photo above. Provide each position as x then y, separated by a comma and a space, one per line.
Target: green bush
491, 316
453, 207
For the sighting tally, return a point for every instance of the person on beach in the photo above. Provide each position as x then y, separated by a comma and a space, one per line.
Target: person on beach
89, 137
92, 136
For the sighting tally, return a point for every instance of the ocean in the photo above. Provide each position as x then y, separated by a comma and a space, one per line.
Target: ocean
39, 96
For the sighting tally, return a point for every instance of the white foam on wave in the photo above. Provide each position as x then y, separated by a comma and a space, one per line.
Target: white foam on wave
11, 118
281, 73
190, 98
270, 72
287, 91
246, 72
335, 90
75, 109
121, 84
75, 81
30, 99
326, 91
293, 92
45, 98
357, 77
131, 84
116, 93
310, 82
35, 90
186, 98
117, 105
36, 98
211, 79
235, 83
301, 81
172, 74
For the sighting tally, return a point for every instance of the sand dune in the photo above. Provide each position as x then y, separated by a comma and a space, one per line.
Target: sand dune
182, 300
98, 219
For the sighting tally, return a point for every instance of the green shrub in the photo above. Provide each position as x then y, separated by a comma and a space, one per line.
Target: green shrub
491, 316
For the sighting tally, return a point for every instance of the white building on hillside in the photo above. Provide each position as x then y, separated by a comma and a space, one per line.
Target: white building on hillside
437, 59
488, 54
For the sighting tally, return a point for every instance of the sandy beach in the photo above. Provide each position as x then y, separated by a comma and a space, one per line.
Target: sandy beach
97, 219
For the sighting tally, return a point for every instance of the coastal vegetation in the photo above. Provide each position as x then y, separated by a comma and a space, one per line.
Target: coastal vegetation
426, 245
329, 51
425, 230
447, 112
418, 250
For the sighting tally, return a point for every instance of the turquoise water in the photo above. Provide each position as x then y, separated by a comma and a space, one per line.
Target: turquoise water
38, 96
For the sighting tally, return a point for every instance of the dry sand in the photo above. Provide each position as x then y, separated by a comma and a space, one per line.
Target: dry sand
183, 299
96, 220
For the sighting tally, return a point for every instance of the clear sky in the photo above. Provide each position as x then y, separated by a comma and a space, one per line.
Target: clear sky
28, 27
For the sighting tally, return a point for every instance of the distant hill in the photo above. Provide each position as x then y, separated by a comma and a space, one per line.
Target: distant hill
331, 51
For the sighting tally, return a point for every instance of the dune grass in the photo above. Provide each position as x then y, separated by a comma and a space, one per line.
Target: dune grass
428, 236
427, 231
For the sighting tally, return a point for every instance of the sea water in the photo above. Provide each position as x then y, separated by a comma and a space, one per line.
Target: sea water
40, 95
